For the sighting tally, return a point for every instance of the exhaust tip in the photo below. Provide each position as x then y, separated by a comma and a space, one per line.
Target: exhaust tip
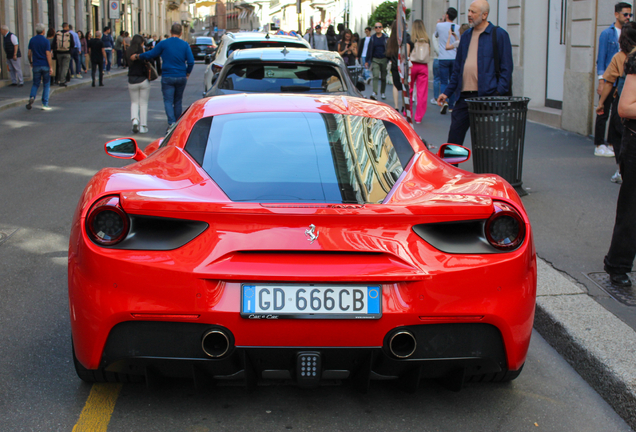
215, 343
402, 344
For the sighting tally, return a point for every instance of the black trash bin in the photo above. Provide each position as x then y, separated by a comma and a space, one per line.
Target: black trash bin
497, 131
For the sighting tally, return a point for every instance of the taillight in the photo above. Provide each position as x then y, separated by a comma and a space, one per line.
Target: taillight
107, 223
505, 229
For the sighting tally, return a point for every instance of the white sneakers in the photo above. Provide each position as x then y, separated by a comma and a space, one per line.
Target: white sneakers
374, 96
143, 129
383, 96
603, 151
135, 126
617, 178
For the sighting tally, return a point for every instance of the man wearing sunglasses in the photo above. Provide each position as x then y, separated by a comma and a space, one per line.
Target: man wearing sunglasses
607, 47
376, 58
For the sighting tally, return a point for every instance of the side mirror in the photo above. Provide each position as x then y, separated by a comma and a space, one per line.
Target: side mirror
124, 148
207, 59
453, 153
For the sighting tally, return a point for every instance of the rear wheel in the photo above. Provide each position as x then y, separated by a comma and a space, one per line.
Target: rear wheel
499, 377
102, 376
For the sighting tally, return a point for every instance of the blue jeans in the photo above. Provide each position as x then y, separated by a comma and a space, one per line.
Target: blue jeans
108, 60
445, 72
172, 89
437, 80
41, 73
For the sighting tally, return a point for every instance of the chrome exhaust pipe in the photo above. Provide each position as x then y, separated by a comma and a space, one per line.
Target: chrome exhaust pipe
402, 344
215, 343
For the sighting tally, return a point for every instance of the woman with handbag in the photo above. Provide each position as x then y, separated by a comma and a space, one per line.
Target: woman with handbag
420, 56
138, 86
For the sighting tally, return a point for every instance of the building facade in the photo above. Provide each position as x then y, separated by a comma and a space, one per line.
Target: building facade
135, 16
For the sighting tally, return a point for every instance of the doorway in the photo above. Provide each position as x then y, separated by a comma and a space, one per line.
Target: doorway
557, 50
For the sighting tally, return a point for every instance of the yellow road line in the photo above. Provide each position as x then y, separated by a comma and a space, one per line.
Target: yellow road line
99, 407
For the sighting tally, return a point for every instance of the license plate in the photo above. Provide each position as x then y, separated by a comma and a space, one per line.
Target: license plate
309, 301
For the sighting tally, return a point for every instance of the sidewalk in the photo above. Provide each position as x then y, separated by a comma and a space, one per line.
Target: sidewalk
15, 96
571, 204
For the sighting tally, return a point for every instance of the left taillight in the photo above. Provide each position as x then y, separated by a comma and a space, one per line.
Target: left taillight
107, 224
505, 229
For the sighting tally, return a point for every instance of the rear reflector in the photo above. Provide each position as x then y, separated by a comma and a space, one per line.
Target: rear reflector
165, 316
470, 318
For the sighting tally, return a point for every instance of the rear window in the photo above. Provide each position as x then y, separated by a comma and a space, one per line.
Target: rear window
263, 44
301, 157
285, 77
204, 41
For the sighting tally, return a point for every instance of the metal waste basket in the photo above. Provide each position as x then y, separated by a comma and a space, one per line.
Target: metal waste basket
497, 131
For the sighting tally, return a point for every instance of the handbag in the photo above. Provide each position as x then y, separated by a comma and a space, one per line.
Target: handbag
152, 72
421, 52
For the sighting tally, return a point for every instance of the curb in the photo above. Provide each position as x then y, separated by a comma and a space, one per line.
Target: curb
23, 101
597, 344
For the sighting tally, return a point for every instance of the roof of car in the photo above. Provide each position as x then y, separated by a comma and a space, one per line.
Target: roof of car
256, 36
286, 54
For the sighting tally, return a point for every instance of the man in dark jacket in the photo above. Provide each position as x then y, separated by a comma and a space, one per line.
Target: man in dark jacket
376, 58
474, 72
14, 56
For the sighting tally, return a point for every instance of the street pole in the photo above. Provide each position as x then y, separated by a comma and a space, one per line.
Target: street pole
403, 60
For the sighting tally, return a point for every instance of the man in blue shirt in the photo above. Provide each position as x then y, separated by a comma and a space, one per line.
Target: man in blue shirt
75, 53
40, 60
108, 42
474, 72
607, 47
175, 54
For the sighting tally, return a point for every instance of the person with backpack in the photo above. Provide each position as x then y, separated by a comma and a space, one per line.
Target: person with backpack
614, 77
420, 56
483, 67
63, 44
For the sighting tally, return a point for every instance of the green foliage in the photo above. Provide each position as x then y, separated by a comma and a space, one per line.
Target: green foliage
386, 13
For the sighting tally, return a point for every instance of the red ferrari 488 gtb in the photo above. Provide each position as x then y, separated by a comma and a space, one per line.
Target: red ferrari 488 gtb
302, 238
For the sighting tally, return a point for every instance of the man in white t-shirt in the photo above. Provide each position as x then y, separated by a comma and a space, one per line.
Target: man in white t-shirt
446, 57
366, 74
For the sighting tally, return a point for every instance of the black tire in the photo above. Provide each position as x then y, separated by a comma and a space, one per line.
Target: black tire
102, 376
499, 377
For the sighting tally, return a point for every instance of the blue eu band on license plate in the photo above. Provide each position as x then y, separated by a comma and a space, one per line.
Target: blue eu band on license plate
279, 301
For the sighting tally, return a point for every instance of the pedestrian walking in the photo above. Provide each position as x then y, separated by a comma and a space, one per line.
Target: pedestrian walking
614, 79
62, 45
138, 86
348, 48
50, 36
109, 43
607, 47
362, 53
41, 61
83, 51
475, 72
178, 62
14, 56
620, 257
420, 56
75, 54
392, 51
97, 53
317, 39
377, 60
332, 39
446, 57
119, 47
437, 82
125, 46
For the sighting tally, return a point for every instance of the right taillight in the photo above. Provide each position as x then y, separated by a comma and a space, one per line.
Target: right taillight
505, 229
107, 224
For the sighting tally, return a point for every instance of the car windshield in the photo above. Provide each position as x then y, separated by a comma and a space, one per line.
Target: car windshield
282, 77
263, 44
300, 157
204, 41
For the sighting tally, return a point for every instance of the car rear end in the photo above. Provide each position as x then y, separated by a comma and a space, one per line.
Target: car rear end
307, 268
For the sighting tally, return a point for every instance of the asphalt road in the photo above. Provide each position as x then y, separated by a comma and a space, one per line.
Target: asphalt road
46, 158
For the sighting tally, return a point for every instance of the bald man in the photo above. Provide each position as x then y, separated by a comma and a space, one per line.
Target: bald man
475, 73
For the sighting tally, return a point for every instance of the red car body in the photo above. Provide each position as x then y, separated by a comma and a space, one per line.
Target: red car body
123, 300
